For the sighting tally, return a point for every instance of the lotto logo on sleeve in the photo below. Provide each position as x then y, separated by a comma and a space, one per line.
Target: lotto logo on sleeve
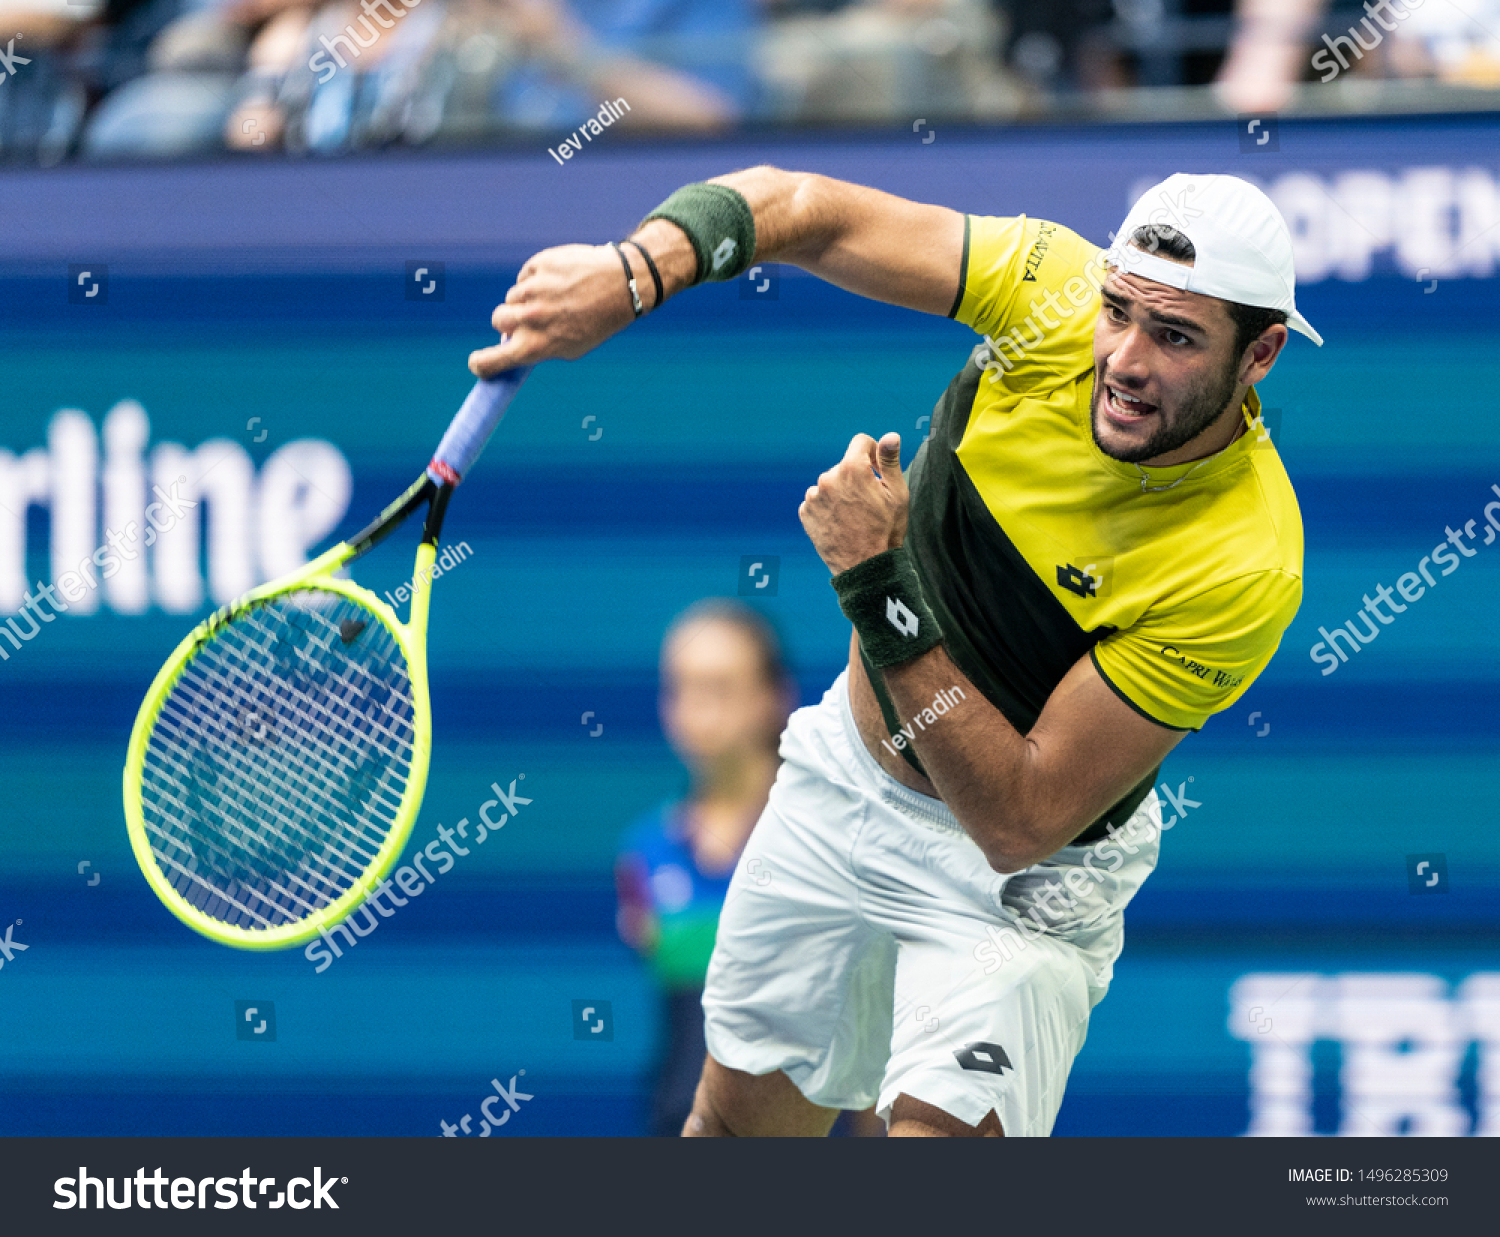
986, 1058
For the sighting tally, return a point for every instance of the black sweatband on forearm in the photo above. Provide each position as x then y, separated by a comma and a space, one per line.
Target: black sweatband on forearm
719, 223
882, 597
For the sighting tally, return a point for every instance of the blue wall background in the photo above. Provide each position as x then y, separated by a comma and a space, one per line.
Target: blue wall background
715, 416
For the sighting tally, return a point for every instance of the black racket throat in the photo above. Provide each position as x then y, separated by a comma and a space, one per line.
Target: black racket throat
424, 490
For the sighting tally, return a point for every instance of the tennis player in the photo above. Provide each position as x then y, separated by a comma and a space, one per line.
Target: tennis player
1096, 550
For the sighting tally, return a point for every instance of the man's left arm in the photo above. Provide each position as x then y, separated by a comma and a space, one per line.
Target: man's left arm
1022, 797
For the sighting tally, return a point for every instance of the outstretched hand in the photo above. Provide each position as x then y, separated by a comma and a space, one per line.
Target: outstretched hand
859, 506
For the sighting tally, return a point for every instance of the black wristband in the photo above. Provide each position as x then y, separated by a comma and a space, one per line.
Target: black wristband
719, 223
661, 294
635, 297
882, 597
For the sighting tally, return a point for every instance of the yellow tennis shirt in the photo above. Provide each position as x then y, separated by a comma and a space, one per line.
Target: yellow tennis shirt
1035, 548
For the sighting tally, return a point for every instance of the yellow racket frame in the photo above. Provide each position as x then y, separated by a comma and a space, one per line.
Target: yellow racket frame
410, 636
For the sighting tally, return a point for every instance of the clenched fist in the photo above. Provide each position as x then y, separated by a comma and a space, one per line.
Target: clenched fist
858, 508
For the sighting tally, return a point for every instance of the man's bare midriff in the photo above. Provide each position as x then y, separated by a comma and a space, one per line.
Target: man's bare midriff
871, 723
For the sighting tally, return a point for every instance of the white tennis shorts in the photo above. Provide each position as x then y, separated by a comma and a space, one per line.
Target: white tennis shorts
867, 949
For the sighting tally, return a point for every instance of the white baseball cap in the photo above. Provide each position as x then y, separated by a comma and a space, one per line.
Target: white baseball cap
1243, 246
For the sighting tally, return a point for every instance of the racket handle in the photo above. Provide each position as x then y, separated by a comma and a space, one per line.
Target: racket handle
475, 422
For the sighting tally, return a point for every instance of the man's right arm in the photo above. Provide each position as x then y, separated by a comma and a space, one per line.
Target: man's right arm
569, 299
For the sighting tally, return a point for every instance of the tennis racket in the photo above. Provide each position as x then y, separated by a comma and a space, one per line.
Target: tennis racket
278, 761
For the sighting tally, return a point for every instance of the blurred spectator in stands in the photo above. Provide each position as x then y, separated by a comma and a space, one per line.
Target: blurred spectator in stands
1458, 46
191, 76
725, 697
1280, 42
330, 78
339, 78
1054, 43
170, 68
877, 60
1269, 54
680, 64
41, 103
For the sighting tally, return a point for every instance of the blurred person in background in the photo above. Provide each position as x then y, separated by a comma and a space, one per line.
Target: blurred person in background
1279, 43
1457, 46
725, 697
874, 61
329, 78
42, 103
682, 65
1053, 44
1269, 53
188, 77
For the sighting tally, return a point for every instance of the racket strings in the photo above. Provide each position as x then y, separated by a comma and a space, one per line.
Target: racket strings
269, 899
219, 678
203, 769
279, 761
221, 858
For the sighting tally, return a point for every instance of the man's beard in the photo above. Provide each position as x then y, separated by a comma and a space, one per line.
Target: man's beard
1200, 408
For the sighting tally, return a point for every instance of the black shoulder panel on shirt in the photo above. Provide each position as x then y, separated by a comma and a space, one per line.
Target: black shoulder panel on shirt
963, 272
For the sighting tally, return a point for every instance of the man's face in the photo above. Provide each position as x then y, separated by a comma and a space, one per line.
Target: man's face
1164, 368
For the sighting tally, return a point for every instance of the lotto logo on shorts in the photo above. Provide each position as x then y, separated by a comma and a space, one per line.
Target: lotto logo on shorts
988, 1058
